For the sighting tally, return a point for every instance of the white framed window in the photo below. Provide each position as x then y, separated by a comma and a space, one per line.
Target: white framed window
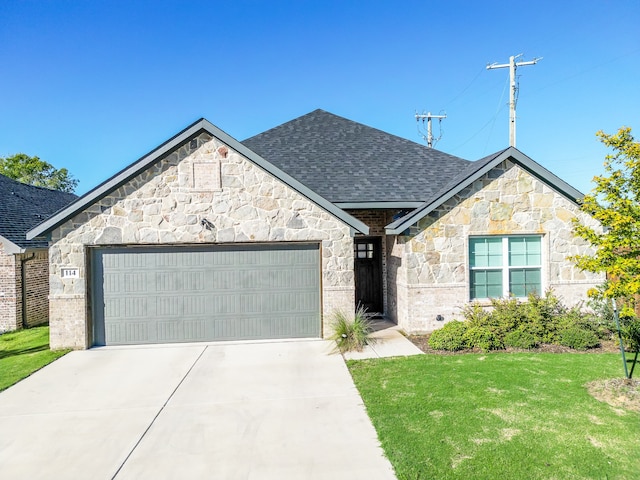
504, 266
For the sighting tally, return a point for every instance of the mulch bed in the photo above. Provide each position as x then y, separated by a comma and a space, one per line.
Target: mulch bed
617, 392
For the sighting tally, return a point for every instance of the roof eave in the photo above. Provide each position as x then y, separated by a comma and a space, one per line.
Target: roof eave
559, 185
177, 140
378, 205
11, 248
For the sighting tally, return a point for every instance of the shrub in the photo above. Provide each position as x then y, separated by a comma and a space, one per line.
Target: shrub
351, 333
476, 314
543, 315
514, 323
521, 338
482, 338
578, 338
450, 337
630, 330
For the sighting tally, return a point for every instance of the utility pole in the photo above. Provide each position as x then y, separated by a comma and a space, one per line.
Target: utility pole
428, 116
512, 98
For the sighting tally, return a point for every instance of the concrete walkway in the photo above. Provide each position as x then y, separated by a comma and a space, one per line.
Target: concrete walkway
285, 410
389, 343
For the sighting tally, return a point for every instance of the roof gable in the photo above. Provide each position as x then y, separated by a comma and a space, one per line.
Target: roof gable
22, 207
348, 163
158, 153
476, 171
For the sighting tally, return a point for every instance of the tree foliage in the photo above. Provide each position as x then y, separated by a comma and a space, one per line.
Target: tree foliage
615, 203
37, 172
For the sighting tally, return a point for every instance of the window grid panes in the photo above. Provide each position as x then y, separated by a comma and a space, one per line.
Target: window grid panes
524, 281
503, 266
364, 250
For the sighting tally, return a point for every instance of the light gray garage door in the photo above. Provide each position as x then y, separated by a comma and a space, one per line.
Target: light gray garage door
186, 294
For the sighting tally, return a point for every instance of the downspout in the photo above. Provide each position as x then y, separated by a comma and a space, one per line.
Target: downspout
23, 278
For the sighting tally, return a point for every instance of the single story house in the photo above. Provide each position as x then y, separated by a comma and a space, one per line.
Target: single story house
209, 238
24, 264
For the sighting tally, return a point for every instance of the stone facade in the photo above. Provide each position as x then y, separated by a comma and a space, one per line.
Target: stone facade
36, 293
429, 267
201, 193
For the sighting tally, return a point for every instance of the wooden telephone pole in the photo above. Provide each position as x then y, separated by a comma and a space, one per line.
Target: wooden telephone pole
512, 98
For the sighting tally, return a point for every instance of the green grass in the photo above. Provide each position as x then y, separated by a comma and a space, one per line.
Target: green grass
23, 352
516, 416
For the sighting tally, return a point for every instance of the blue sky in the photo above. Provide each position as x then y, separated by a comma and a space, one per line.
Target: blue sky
94, 85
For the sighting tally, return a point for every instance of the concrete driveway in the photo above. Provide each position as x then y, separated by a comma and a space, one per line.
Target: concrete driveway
277, 410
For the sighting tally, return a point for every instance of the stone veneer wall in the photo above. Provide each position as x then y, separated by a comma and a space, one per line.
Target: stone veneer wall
166, 204
9, 292
431, 263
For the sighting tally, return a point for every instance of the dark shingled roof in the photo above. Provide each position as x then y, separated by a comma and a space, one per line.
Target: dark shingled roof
24, 206
345, 161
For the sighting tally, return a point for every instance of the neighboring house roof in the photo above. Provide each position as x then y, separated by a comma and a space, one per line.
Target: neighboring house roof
353, 165
475, 171
176, 141
22, 207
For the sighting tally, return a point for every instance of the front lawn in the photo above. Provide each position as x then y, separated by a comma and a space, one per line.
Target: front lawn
23, 352
516, 415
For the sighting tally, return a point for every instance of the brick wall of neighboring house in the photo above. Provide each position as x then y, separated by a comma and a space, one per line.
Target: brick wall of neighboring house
36, 267
9, 292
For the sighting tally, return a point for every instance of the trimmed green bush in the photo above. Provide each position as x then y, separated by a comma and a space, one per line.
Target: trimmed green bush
482, 338
521, 338
514, 323
450, 337
578, 338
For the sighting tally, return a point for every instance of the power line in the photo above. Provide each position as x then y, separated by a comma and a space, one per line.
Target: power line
588, 69
464, 89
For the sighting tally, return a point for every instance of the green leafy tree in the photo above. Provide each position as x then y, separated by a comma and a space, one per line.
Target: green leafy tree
33, 171
615, 203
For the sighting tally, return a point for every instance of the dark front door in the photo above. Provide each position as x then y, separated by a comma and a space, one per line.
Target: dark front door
368, 273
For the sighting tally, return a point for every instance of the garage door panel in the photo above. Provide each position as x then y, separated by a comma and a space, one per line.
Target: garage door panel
169, 306
175, 294
131, 332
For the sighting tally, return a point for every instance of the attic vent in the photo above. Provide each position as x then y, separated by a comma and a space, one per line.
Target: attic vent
193, 144
206, 176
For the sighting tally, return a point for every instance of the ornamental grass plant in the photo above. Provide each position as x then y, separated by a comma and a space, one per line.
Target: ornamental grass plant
351, 332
